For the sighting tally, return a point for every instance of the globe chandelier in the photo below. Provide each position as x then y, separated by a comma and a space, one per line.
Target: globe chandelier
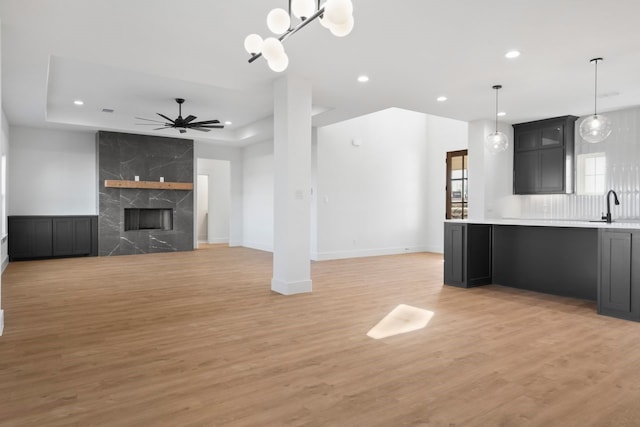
335, 15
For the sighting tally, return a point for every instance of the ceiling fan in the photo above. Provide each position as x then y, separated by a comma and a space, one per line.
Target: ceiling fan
182, 124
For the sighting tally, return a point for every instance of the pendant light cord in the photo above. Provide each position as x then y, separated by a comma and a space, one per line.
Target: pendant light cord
595, 91
497, 89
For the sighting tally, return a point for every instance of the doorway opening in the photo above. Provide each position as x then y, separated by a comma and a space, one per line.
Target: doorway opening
202, 217
457, 183
213, 201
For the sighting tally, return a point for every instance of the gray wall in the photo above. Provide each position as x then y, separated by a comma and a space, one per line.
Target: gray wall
122, 156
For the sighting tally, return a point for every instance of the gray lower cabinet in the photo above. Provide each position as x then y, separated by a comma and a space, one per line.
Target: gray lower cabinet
71, 236
467, 254
619, 274
33, 237
29, 237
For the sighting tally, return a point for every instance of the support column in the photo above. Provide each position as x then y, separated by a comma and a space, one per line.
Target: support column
292, 185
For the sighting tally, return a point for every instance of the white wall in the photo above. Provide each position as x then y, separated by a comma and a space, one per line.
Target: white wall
4, 153
388, 194
52, 172
4, 148
208, 150
490, 175
443, 135
218, 173
258, 196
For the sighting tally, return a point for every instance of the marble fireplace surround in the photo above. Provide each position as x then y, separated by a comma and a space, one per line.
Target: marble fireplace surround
123, 156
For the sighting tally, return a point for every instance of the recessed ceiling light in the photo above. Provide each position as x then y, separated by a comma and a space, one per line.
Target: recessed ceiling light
501, 114
363, 79
512, 54
78, 102
441, 98
228, 123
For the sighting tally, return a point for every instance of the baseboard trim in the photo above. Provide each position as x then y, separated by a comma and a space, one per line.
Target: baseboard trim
216, 240
5, 263
258, 246
291, 288
1, 322
325, 256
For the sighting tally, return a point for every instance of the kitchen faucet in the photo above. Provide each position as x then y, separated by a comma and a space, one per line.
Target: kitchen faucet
607, 217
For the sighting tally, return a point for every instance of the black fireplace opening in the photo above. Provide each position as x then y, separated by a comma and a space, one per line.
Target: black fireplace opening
148, 219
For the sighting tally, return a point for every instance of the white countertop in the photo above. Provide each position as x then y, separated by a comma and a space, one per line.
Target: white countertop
551, 223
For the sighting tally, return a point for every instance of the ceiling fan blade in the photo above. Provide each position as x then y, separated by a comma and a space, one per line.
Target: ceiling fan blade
148, 124
189, 118
166, 127
201, 129
206, 122
149, 120
165, 117
209, 127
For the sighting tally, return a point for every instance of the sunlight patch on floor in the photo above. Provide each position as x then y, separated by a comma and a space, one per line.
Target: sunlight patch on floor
402, 319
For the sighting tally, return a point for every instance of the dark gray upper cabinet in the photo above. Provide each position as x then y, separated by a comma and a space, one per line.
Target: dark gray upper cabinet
543, 156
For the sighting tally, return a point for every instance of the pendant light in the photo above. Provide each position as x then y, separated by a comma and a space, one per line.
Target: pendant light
496, 142
595, 128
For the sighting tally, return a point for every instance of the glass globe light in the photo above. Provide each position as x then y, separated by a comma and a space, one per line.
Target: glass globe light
272, 49
279, 64
323, 21
496, 142
253, 44
338, 12
278, 21
303, 8
595, 128
342, 29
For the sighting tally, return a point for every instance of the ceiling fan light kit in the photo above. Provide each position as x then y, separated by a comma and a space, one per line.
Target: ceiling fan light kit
595, 128
182, 124
496, 141
335, 15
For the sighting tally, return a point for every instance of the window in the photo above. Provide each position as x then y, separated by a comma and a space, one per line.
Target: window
457, 177
592, 173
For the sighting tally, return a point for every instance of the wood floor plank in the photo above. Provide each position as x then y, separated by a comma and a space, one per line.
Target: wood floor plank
198, 339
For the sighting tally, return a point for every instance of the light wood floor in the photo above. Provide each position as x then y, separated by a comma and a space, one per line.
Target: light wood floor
198, 338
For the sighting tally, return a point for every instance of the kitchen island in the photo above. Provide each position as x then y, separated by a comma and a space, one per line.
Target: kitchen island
579, 259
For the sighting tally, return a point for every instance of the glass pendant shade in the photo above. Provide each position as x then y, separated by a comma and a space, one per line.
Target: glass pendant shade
253, 43
278, 21
496, 142
342, 29
272, 49
303, 8
595, 128
279, 64
338, 12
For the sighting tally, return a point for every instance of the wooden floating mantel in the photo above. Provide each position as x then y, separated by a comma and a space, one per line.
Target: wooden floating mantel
151, 185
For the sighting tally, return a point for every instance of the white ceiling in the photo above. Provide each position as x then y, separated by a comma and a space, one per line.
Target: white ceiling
136, 56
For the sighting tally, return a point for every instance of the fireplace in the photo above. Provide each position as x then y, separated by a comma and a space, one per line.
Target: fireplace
144, 220
148, 219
